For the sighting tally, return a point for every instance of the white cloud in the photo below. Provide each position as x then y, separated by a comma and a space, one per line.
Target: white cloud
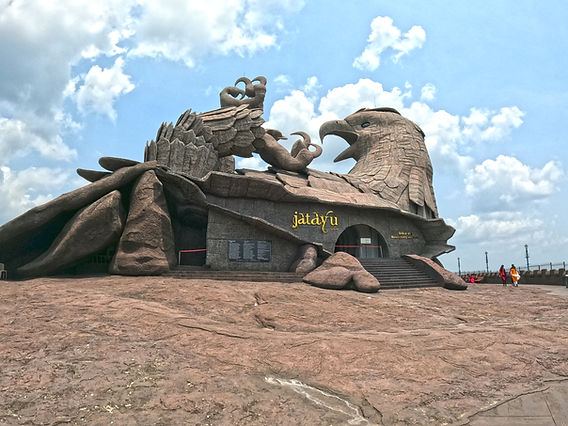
312, 86
366, 93
444, 137
486, 125
385, 35
497, 228
18, 139
22, 190
186, 31
294, 112
40, 43
282, 80
101, 87
428, 92
53, 36
506, 183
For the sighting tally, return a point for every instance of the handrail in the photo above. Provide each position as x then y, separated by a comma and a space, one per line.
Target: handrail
188, 251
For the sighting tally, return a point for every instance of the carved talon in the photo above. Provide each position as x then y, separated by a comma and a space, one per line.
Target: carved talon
278, 156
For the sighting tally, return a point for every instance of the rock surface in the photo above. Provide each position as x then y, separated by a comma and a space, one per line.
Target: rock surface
92, 175
92, 229
365, 282
341, 270
307, 259
115, 163
155, 350
448, 279
147, 244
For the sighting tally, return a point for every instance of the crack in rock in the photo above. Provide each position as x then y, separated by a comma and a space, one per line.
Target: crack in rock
319, 397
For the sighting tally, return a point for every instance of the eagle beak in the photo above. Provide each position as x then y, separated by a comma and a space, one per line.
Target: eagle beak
344, 130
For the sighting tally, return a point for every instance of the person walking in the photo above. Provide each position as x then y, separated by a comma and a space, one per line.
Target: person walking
514, 276
503, 275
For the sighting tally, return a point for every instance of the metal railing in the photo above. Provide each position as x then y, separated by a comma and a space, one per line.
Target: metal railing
550, 266
189, 251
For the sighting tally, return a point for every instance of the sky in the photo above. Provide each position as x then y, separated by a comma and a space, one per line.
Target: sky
486, 81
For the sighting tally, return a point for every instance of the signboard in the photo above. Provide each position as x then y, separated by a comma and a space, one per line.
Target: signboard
315, 219
403, 236
250, 250
365, 241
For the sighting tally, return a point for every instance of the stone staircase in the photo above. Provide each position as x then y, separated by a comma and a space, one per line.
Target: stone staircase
395, 273
200, 273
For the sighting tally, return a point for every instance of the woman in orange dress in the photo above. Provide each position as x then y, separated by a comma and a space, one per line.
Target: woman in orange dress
514, 276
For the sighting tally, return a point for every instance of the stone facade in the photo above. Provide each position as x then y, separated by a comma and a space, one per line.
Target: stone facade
401, 235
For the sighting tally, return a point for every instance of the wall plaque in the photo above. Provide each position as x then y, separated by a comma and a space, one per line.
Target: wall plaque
403, 236
249, 250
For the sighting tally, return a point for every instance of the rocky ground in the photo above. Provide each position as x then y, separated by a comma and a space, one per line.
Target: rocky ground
121, 350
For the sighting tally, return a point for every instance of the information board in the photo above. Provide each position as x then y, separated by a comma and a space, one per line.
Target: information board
250, 250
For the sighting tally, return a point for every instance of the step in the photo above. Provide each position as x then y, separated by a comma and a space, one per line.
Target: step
397, 273
184, 272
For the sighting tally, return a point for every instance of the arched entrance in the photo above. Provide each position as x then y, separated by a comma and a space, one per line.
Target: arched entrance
362, 242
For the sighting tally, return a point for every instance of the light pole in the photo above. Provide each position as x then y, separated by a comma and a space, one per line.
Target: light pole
459, 267
486, 263
527, 255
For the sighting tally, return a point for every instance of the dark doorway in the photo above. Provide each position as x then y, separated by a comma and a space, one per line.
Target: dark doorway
190, 229
362, 242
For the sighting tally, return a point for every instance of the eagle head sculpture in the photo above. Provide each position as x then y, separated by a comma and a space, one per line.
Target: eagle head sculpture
392, 160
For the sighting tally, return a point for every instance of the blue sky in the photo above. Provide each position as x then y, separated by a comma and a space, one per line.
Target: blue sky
486, 81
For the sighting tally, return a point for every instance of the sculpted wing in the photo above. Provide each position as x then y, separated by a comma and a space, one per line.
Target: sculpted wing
200, 143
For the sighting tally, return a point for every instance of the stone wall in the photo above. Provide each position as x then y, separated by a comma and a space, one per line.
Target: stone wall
222, 228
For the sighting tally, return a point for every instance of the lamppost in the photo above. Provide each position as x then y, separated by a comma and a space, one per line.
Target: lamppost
527, 255
486, 263
459, 267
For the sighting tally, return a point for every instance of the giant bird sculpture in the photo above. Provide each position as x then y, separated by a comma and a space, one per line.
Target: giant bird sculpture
392, 160
189, 167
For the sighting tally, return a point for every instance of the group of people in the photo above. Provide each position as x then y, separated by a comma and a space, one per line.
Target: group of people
513, 273
470, 278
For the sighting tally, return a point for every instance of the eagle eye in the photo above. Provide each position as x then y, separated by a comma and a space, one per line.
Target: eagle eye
365, 124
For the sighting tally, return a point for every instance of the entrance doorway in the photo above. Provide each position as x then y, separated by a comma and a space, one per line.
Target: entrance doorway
190, 230
362, 242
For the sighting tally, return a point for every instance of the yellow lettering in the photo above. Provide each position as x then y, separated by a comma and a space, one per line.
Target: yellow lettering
315, 220
295, 220
323, 221
332, 222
